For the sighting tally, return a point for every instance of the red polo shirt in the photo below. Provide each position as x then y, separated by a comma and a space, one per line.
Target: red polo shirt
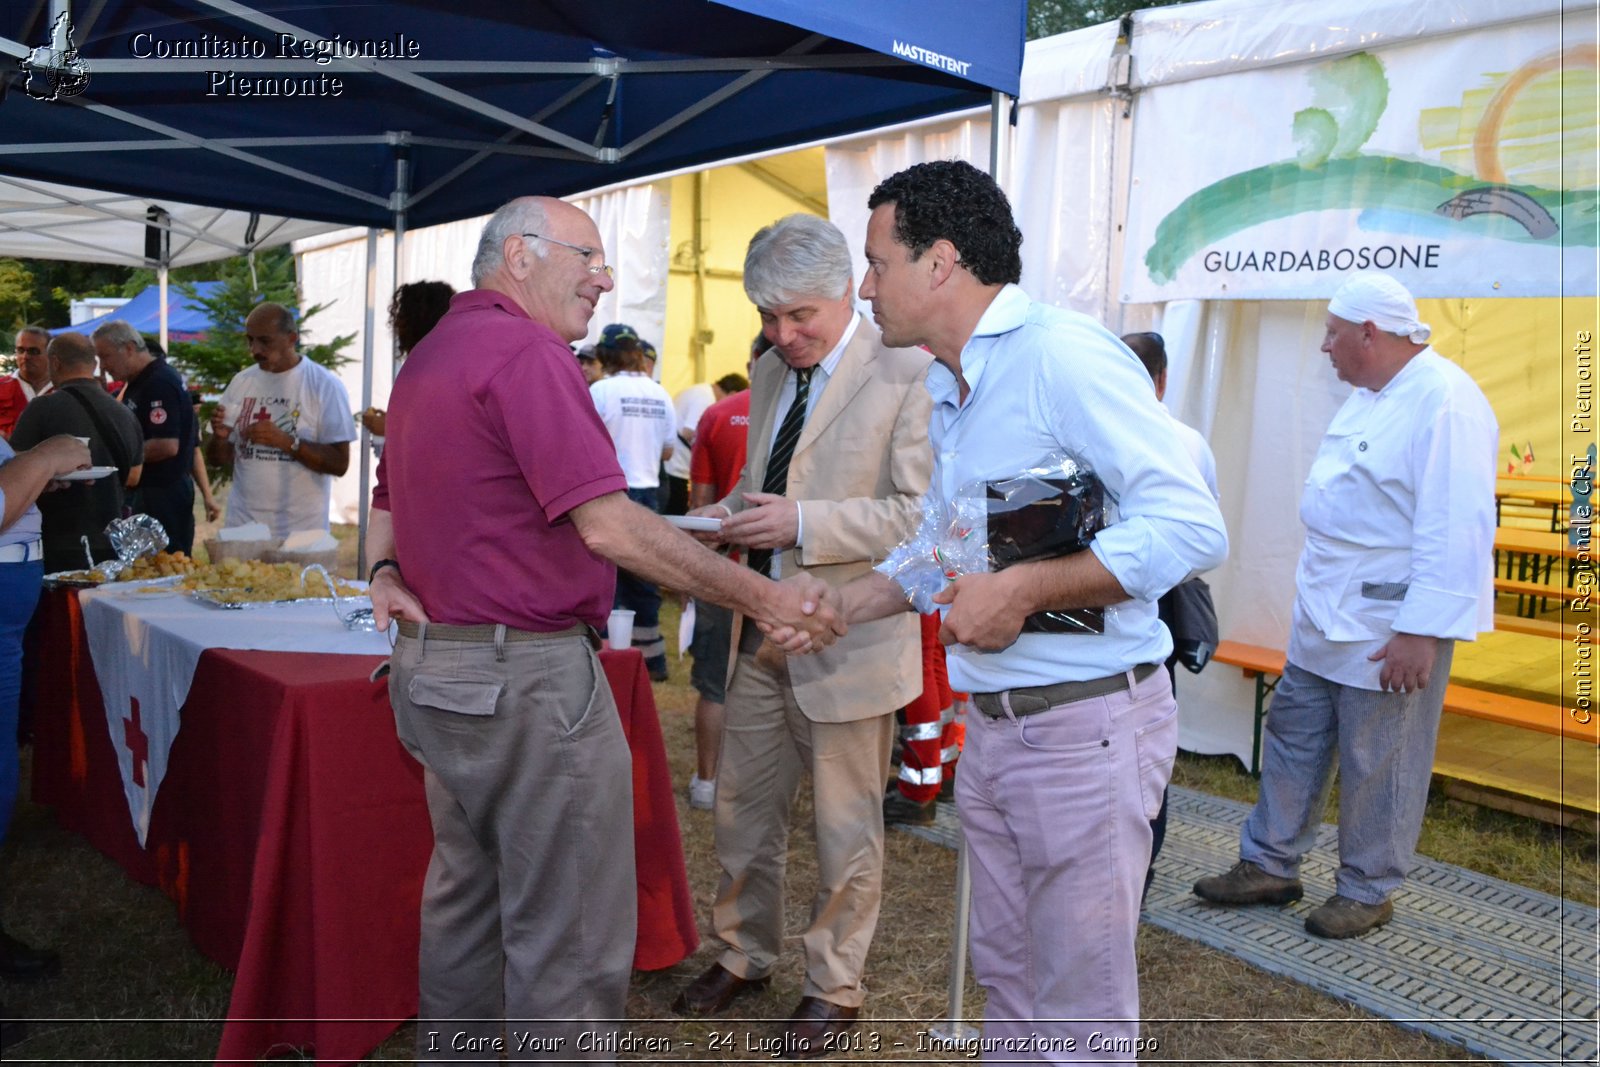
719, 443
492, 441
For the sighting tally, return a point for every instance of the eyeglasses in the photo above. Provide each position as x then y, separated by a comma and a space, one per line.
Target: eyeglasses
29, 350
586, 253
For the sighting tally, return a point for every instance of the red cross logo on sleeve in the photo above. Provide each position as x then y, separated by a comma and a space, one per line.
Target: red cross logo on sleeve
138, 744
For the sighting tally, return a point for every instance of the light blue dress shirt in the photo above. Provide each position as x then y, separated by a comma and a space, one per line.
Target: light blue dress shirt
1043, 380
30, 524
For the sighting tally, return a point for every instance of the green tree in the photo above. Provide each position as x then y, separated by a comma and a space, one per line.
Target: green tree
1047, 18
17, 301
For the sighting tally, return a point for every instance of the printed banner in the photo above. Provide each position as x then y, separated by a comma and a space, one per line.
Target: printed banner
1464, 166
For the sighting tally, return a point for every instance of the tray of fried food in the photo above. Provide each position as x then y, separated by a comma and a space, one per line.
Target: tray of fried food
163, 568
236, 583
74, 579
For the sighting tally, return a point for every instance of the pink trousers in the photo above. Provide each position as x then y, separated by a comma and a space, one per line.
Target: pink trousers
1056, 808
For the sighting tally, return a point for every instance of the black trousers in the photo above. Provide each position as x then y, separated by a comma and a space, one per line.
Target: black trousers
171, 505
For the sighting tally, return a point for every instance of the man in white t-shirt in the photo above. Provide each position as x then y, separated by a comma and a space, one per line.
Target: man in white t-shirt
638, 414
688, 406
285, 427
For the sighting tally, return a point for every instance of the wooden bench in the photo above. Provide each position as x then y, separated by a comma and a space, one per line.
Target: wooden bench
1521, 624
1265, 665
1533, 590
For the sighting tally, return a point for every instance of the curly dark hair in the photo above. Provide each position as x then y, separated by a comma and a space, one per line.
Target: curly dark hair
416, 308
956, 201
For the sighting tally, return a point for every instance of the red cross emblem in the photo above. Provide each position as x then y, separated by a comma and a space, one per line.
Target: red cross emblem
138, 744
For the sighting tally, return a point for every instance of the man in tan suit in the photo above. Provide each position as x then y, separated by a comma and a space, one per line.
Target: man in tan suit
838, 459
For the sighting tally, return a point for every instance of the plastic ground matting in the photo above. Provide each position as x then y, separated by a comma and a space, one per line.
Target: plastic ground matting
1503, 971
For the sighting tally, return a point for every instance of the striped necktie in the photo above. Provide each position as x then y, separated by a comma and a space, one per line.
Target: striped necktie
777, 479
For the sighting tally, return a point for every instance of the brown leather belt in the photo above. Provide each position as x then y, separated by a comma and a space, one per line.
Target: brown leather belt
485, 634
1037, 698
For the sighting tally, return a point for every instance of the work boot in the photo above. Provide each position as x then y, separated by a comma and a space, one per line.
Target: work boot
1342, 917
899, 808
1247, 883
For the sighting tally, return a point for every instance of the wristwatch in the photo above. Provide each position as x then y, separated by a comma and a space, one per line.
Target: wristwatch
378, 566
294, 444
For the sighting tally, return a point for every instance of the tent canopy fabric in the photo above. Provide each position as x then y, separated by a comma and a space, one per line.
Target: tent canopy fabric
428, 111
185, 318
42, 220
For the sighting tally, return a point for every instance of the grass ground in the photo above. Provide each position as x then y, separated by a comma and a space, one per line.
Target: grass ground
134, 988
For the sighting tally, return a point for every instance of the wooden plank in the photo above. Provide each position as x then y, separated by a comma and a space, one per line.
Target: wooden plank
1539, 589
1253, 659
1462, 785
1538, 715
1544, 628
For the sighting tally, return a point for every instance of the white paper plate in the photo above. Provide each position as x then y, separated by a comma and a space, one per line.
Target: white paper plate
89, 474
703, 523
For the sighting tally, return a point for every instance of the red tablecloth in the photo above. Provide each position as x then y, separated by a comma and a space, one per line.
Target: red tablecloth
292, 833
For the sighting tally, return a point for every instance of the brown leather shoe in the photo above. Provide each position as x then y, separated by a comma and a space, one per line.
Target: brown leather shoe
814, 1026
714, 990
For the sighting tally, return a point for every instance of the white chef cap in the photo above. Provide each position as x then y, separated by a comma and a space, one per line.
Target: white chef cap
1382, 301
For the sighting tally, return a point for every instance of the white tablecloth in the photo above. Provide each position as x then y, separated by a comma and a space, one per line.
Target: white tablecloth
145, 648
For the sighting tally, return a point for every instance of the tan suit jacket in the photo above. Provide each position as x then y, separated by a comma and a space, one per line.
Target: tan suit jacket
859, 470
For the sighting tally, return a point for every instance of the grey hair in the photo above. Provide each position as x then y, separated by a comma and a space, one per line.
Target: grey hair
37, 331
522, 215
120, 332
797, 256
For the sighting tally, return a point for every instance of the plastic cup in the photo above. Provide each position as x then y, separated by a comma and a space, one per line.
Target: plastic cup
619, 628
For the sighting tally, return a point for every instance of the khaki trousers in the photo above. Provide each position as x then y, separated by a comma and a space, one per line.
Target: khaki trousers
529, 907
766, 743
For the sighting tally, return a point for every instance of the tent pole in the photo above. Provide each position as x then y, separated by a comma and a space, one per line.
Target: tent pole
161, 277
366, 397
1000, 137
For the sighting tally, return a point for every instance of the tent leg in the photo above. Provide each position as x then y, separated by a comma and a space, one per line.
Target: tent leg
366, 400
161, 277
954, 1029
1000, 139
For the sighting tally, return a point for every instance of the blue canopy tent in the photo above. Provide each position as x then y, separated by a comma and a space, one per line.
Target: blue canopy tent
425, 111
186, 319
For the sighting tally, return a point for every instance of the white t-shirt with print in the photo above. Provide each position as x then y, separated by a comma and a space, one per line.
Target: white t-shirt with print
639, 415
269, 485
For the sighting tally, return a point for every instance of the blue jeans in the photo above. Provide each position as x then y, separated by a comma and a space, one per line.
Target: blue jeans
644, 600
1382, 745
19, 594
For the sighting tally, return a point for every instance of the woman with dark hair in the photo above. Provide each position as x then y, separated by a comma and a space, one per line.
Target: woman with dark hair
415, 308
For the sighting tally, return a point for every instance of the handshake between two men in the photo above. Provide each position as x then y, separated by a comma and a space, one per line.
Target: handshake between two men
800, 614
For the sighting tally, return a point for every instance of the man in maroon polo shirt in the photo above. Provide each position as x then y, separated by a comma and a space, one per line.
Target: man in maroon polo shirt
498, 522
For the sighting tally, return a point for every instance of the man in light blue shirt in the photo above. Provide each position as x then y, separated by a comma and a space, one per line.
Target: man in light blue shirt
1067, 759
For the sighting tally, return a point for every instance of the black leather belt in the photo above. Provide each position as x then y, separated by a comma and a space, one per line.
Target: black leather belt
1037, 698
